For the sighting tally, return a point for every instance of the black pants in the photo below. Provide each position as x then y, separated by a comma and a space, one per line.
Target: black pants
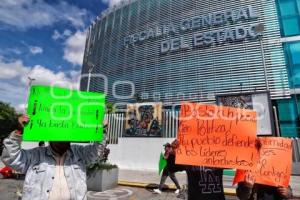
164, 177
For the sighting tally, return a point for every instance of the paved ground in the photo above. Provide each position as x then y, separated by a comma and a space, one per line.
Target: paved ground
10, 187
132, 193
152, 177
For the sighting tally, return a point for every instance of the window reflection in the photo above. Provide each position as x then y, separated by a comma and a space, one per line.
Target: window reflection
288, 11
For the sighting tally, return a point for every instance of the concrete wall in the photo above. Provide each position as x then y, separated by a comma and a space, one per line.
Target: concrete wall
137, 153
131, 153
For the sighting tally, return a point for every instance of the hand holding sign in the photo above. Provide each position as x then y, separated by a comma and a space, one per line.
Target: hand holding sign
249, 180
274, 165
22, 120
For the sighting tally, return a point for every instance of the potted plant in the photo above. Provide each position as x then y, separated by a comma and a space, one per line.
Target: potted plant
101, 175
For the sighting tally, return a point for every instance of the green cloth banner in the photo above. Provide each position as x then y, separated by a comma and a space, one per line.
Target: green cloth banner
58, 114
162, 163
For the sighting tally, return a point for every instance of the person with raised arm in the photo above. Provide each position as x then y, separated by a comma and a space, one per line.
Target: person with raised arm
54, 172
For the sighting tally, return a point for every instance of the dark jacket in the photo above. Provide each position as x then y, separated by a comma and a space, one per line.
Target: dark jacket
171, 166
259, 192
205, 183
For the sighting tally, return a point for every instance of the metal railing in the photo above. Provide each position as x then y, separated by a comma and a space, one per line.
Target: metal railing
115, 127
170, 123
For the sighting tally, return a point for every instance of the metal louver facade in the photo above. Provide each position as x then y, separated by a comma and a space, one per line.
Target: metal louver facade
197, 73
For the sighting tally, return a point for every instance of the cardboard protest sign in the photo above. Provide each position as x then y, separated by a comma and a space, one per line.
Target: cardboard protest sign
274, 165
216, 136
58, 114
161, 164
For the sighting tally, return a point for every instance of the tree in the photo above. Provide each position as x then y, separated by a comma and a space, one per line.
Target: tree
8, 119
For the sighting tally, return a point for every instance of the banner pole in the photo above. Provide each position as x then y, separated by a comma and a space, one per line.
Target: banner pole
27, 92
277, 133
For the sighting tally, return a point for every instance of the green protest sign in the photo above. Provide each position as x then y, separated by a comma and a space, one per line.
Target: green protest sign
161, 164
58, 114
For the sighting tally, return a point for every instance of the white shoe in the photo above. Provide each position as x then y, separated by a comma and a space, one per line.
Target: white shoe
177, 191
157, 191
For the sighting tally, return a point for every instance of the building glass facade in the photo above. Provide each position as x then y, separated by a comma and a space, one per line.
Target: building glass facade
288, 116
196, 73
288, 109
289, 17
292, 52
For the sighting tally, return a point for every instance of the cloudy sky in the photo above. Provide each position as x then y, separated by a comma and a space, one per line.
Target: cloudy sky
43, 39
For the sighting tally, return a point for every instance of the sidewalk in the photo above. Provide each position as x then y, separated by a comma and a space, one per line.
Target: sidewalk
152, 179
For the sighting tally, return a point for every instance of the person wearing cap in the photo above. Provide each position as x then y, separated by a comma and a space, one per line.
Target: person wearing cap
169, 170
54, 172
203, 182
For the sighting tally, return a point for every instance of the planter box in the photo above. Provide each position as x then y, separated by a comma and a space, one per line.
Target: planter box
102, 180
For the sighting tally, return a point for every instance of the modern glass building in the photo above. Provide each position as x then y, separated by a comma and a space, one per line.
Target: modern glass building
288, 109
174, 50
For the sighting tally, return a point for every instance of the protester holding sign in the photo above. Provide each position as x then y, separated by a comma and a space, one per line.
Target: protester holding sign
205, 183
210, 140
270, 179
249, 190
57, 171
169, 170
